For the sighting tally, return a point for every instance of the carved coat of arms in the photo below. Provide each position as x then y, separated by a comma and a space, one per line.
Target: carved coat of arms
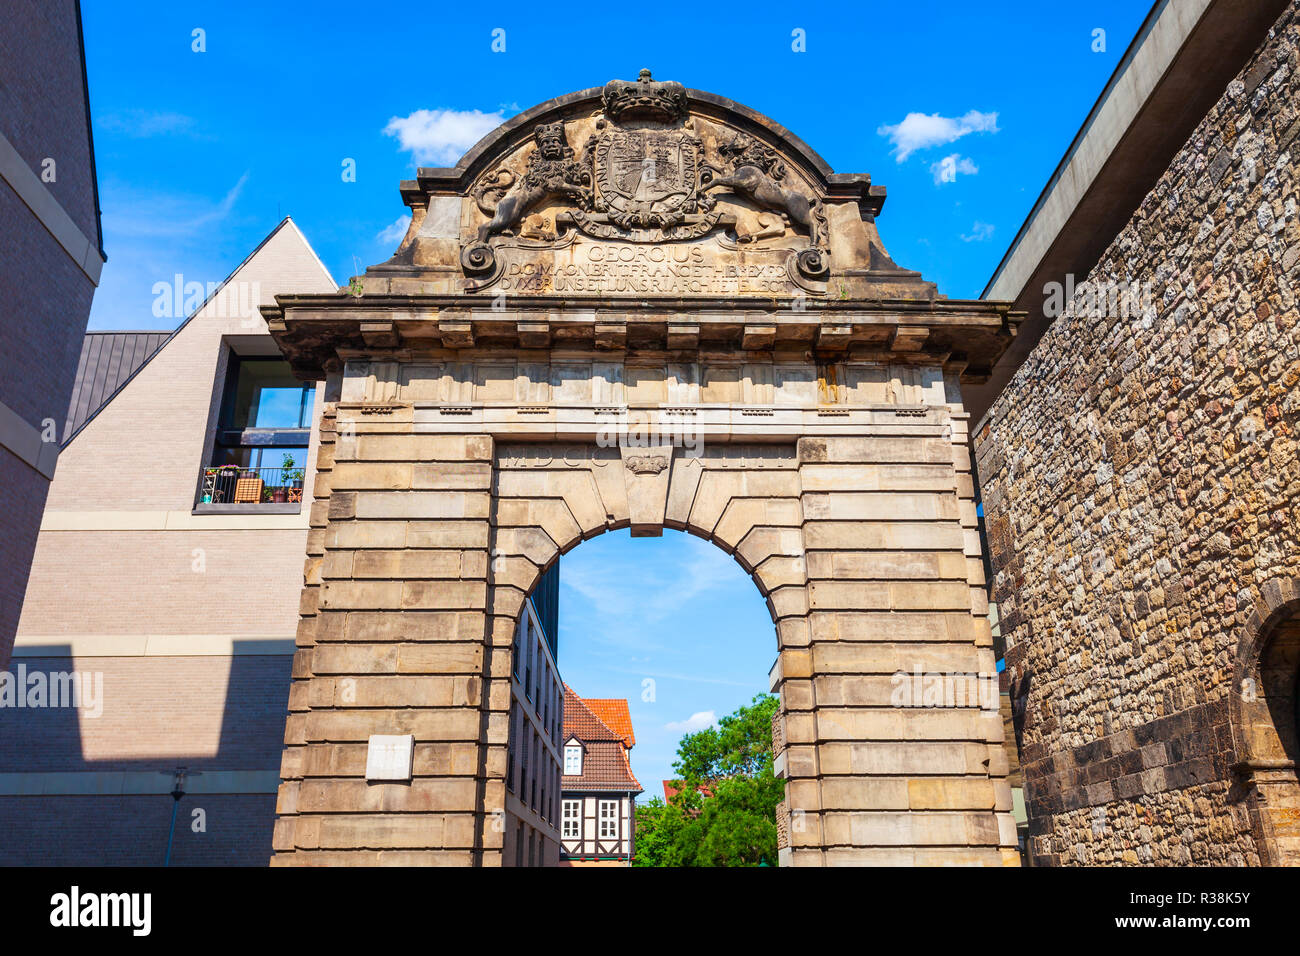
641, 178
646, 177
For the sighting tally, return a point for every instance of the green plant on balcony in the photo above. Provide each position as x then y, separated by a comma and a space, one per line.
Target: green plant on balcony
292, 475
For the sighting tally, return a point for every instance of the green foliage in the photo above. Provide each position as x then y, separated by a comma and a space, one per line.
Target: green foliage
739, 746
290, 474
735, 825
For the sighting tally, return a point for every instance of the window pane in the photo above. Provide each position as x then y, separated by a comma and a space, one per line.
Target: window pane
608, 818
278, 408
268, 396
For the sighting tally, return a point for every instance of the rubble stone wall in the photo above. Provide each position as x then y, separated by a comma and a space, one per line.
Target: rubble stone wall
1142, 505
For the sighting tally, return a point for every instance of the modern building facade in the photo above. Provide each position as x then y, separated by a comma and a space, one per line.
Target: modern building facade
164, 590
52, 250
532, 806
598, 818
1136, 448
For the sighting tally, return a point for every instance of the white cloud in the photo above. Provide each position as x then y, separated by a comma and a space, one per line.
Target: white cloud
150, 214
946, 169
227, 203
673, 675
696, 722
143, 124
613, 589
151, 235
394, 233
442, 136
978, 233
622, 600
919, 131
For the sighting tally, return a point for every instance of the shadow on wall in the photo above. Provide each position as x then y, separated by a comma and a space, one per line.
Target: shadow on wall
60, 804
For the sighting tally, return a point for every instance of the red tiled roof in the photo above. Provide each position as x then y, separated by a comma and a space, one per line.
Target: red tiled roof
605, 763
604, 767
614, 714
581, 722
674, 787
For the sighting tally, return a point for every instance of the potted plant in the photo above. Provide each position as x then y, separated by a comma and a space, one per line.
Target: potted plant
292, 476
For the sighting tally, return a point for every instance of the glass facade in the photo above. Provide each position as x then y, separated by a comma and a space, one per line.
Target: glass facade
265, 415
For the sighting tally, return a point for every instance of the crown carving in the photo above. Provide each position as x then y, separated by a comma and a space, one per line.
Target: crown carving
646, 464
646, 98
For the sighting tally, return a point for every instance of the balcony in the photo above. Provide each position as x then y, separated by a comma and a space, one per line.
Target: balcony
239, 489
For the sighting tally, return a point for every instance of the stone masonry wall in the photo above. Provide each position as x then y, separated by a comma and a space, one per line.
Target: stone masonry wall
427, 536
1141, 491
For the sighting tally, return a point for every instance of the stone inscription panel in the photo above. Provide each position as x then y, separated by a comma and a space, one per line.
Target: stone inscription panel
705, 269
729, 457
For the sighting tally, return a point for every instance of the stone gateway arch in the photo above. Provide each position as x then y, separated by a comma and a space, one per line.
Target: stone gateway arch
643, 306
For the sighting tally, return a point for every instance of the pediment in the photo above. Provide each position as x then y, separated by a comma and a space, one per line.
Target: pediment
642, 218
643, 188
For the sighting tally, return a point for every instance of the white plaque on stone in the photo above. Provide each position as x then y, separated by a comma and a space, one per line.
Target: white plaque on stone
389, 756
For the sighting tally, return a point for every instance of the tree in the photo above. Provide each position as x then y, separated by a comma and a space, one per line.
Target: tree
725, 812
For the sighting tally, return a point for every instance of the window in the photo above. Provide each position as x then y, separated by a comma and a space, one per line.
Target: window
535, 746
517, 651
608, 819
532, 662
259, 452
573, 761
523, 759
510, 750
262, 393
571, 811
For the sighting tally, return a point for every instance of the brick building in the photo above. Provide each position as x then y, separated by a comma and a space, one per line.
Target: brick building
1136, 448
52, 250
598, 824
165, 586
171, 603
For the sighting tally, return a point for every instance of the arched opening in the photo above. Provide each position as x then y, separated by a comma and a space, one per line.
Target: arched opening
662, 660
1267, 731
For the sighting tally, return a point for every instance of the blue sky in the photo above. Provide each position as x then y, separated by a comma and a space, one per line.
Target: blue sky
201, 153
960, 110
673, 624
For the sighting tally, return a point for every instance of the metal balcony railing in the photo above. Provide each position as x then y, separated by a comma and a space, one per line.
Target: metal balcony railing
236, 485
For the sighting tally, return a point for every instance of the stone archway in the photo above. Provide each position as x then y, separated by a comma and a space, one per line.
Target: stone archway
1265, 716
691, 323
